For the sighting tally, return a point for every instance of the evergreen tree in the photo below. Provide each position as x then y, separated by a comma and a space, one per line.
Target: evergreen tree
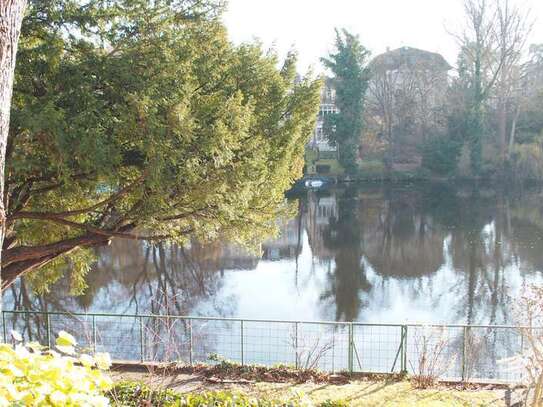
140, 120
350, 80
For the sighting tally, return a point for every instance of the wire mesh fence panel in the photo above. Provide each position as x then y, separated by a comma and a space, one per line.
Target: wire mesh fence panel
79, 326
31, 326
215, 339
486, 347
377, 348
269, 343
119, 336
448, 352
435, 351
166, 339
323, 346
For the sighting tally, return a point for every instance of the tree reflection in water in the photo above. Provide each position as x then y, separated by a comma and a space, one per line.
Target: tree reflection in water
343, 236
442, 253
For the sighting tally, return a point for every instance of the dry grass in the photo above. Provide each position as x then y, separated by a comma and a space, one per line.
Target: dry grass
357, 393
386, 394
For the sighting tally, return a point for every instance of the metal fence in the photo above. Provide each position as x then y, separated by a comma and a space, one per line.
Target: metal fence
456, 352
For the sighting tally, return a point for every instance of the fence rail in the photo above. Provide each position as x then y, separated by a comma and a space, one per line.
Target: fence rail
458, 352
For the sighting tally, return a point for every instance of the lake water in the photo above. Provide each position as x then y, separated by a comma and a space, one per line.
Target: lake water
400, 253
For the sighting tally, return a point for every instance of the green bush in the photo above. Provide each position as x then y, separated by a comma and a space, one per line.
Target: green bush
527, 160
32, 375
134, 394
131, 394
334, 403
440, 155
227, 399
372, 166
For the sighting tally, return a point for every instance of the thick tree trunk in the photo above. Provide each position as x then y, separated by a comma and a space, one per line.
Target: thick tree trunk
21, 260
11, 17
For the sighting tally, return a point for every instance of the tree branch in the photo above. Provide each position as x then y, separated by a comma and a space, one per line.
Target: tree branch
22, 259
57, 215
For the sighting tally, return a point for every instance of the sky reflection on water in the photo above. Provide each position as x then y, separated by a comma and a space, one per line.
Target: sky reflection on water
371, 253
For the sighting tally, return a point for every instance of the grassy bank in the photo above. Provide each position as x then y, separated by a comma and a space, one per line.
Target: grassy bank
381, 393
362, 392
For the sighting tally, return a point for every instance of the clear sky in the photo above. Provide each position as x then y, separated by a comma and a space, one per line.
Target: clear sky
308, 25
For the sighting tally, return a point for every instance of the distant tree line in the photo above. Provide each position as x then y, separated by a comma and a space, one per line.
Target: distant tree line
409, 111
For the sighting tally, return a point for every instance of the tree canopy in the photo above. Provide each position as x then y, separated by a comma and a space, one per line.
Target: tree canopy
139, 120
350, 79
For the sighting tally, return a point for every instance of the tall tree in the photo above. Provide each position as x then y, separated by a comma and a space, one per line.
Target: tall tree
348, 64
405, 100
140, 120
492, 43
512, 31
478, 45
11, 17
527, 98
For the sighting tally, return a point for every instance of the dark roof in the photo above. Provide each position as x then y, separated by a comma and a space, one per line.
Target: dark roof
410, 58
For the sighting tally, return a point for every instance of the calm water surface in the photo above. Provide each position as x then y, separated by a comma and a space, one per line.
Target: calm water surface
370, 253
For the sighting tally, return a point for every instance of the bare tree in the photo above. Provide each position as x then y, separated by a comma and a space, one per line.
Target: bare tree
432, 357
380, 107
492, 43
512, 30
477, 43
529, 319
11, 17
404, 92
527, 90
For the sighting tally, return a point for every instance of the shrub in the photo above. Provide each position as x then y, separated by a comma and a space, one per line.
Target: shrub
32, 375
372, 167
527, 160
334, 403
135, 394
227, 399
528, 312
440, 155
132, 394
432, 359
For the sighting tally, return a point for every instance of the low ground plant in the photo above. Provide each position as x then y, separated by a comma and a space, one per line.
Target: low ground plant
432, 360
223, 368
131, 394
33, 375
136, 394
334, 403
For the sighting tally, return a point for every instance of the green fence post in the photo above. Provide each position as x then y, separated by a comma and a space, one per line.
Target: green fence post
241, 337
48, 328
94, 334
190, 341
296, 344
522, 351
350, 352
464, 345
142, 341
4, 328
401, 348
333, 349
404, 349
